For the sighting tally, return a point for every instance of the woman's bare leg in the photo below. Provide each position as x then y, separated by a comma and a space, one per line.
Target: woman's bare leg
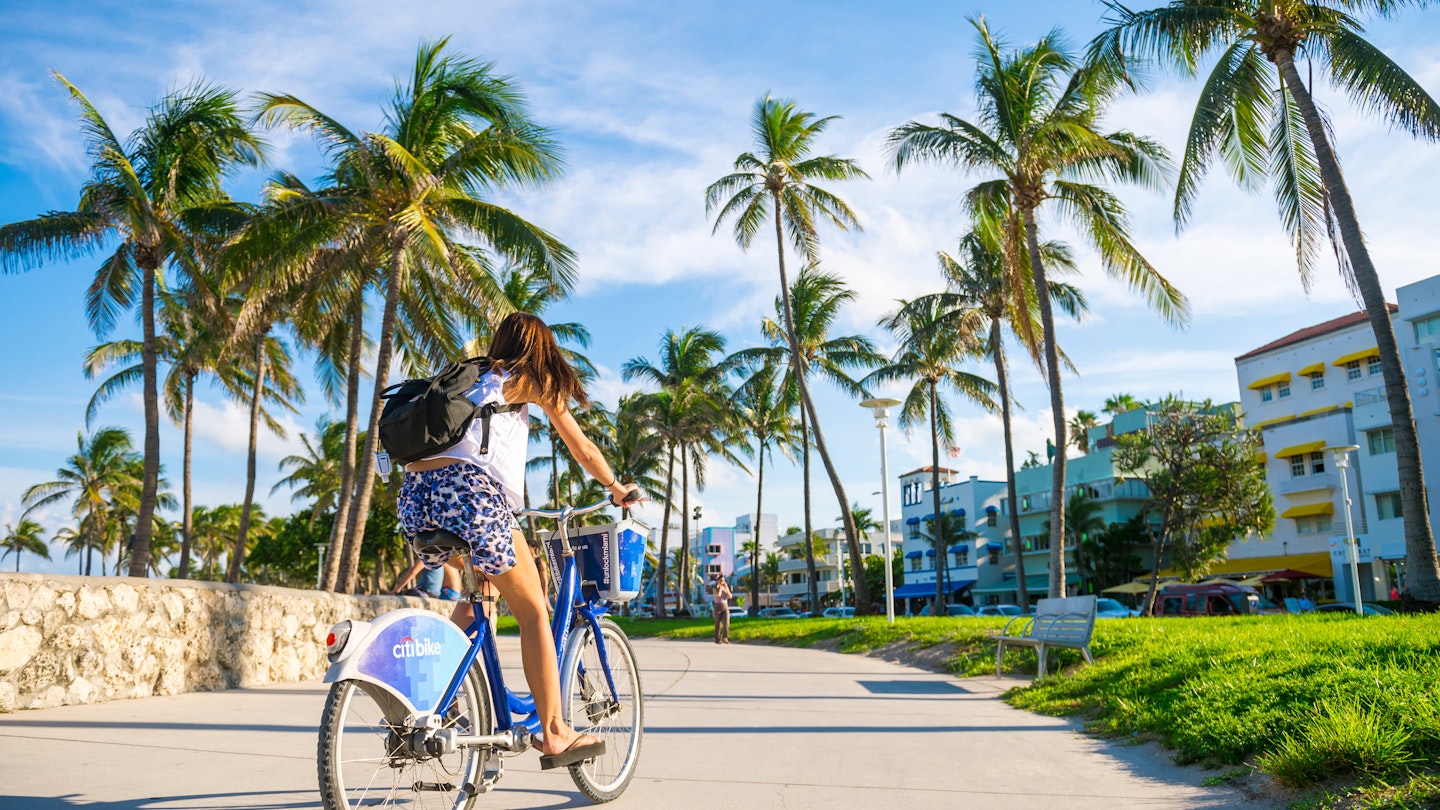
521, 588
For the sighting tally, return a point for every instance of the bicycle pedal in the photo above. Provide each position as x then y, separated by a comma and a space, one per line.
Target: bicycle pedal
488, 777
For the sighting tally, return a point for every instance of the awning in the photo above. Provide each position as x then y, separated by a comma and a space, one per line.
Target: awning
958, 547
912, 521
1271, 380
960, 511
915, 590
914, 555
1323, 410
1317, 562
1354, 356
1313, 368
929, 552
1299, 449
990, 510
995, 545
1277, 420
1308, 510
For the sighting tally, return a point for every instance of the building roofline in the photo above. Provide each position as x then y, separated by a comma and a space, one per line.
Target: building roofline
928, 468
1318, 330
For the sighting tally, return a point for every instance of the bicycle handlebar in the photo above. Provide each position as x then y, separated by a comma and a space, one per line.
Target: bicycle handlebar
575, 511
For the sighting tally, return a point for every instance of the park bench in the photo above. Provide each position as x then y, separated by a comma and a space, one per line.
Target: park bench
1062, 622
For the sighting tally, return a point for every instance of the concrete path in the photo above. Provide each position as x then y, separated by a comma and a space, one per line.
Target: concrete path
728, 726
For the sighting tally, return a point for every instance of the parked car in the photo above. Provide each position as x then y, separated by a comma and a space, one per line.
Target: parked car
952, 609
1113, 609
738, 612
839, 613
1370, 609
998, 610
778, 613
1213, 600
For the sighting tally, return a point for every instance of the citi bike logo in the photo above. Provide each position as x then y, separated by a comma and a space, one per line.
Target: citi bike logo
410, 648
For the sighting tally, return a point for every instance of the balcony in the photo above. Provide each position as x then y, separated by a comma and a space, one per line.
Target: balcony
1307, 483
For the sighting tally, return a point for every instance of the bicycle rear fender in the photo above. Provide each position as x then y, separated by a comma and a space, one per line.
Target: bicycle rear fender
410, 654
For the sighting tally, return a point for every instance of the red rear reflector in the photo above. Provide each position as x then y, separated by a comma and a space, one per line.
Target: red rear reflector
330, 640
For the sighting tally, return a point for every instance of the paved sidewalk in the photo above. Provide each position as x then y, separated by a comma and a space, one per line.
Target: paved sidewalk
728, 726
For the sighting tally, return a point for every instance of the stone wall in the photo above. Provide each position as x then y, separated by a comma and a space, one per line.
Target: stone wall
67, 640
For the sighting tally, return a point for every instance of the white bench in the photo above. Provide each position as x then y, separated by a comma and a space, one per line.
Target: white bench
1061, 622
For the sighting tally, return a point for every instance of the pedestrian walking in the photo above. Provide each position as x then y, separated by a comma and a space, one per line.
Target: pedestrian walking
720, 609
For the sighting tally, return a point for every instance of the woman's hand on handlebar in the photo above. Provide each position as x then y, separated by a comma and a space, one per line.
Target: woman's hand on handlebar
625, 495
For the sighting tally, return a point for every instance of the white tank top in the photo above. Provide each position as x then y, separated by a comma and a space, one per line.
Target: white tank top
509, 439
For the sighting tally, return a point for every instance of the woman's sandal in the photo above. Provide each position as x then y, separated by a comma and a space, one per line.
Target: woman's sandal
573, 754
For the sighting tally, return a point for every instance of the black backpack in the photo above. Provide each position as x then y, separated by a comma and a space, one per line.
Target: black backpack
422, 417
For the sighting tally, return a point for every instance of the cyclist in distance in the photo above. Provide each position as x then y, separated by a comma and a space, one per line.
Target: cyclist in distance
476, 496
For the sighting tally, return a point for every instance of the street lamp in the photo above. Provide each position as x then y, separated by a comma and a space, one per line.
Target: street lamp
1342, 460
879, 408
320, 549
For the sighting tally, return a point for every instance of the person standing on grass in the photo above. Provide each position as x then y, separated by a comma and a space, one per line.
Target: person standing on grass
720, 608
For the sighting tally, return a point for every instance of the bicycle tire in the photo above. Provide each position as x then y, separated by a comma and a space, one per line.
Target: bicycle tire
360, 765
589, 709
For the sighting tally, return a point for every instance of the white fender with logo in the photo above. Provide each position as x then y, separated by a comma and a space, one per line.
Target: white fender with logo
410, 653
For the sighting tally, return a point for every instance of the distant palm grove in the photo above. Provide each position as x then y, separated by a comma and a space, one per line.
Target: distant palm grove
399, 257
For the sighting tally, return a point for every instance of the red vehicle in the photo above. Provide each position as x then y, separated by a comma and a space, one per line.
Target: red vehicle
1212, 600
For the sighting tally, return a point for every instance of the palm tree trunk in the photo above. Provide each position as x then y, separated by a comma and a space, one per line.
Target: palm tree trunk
862, 593
1057, 410
1003, 382
1422, 569
665, 533
149, 482
682, 577
345, 499
810, 573
365, 474
937, 539
755, 537
237, 558
187, 524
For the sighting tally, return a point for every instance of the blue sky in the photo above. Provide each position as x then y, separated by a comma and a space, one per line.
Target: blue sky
651, 102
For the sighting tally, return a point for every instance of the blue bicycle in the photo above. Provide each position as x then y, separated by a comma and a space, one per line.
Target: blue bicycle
418, 713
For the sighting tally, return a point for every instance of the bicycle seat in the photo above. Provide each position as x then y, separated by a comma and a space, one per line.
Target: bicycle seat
438, 541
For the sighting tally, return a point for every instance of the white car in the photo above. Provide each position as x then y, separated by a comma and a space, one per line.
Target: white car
1113, 609
998, 610
738, 613
778, 613
839, 613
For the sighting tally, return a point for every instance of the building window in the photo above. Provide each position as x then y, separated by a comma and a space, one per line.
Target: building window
1283, 389
1372, 365
1318, 524
991, 518
1427, 327
1317, 381
714, 568
1352, 370
1266, 395
1388, 505
1037, 542
962, 557
713, 549
1381, 441
1297, 466
1025, 504
914, 563
914, 531
994, 556
1317, 463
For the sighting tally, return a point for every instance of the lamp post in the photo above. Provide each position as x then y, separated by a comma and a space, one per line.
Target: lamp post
319, 563
1342, 460
879, 408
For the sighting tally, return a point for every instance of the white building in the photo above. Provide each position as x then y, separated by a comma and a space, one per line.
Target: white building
1321, 387
964, 563
795, 574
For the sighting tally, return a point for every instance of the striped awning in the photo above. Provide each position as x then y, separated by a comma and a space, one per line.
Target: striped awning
1299, 449
1271, 380
1354, 356
1309, 510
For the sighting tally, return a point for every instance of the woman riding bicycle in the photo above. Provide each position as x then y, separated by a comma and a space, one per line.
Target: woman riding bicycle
475, 496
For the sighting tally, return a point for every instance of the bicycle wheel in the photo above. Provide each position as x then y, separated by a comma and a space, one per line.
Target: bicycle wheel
364, 761
591, 709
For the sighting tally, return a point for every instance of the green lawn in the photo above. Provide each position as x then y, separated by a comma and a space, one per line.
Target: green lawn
1312, 700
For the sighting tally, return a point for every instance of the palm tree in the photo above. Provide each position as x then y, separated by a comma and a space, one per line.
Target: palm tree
770, 571
148, 193
1080, 425
777, 181
815, 303
930, 347
1116, 404
315, 476
27, 536
979, 288
267, 379
75, 545
686, 414
1083, 519
865, 523
1038, 129
102, 464
763, 412
1268, 126
636, 454
943, 530
215, 528
456, 135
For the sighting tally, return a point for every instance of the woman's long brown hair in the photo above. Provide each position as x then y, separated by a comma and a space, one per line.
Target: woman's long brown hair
525, 346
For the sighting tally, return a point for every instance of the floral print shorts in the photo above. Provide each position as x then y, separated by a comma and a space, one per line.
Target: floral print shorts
461, 499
